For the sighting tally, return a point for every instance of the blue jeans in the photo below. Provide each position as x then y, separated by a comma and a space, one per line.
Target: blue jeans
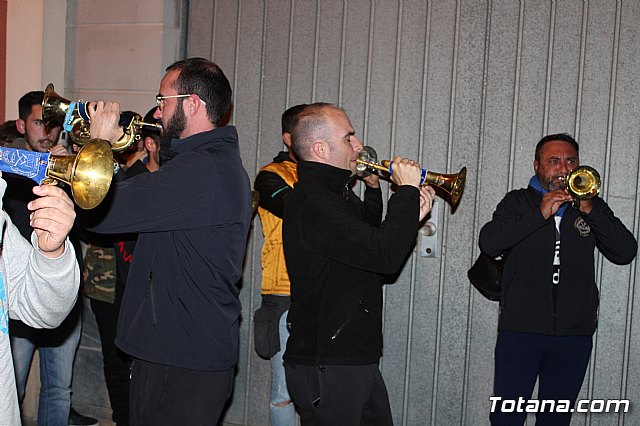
284, 415
56, 369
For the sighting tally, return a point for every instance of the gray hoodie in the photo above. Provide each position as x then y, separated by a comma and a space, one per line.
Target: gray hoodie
34, 289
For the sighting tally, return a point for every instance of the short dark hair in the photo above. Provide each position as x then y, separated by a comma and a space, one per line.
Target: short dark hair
8, 132
27, 101
290, 116
202, 77
310, 125
150, 131
563, 137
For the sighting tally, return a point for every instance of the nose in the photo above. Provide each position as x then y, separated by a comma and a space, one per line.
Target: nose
356, 144
158, 114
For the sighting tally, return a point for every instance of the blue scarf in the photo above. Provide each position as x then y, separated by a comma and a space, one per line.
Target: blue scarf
535, 184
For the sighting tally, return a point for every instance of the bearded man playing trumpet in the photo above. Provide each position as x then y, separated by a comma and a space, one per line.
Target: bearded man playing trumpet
180, 312
549, 303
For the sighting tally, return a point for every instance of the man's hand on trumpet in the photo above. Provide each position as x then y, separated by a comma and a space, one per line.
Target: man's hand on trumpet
52, 217
59, 149
105, 119
427, 194
408, 172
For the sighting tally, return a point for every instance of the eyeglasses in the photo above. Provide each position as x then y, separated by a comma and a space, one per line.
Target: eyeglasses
160, 99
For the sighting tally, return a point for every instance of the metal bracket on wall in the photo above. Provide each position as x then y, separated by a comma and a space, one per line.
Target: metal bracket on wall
428, 234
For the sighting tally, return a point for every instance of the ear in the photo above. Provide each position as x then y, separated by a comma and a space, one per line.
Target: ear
195, 105
286, 138
535, 165
150, 144
20, 126
320, 149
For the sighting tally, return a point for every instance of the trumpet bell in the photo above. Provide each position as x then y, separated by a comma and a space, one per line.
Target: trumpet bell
88, 173
452, 184
54, 107
583, 183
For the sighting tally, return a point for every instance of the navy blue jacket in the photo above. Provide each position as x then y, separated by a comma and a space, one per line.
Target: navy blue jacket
181, 305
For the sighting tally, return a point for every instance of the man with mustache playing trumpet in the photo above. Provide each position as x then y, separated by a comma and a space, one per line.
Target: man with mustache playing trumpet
549, 303
336, 262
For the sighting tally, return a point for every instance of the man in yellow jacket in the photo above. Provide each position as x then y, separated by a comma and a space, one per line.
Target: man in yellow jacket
274, 182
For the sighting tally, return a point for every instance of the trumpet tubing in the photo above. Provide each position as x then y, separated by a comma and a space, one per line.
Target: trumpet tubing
74, 117
452, 184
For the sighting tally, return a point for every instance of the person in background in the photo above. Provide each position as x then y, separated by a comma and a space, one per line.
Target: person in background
8, 132
274, 182
337, 255
57, 347
549, 303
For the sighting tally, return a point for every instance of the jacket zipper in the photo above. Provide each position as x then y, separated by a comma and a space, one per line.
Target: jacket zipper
152, 299
346, 321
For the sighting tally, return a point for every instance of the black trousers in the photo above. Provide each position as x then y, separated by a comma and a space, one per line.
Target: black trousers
558, 363
165, 395
117, 364
339, 395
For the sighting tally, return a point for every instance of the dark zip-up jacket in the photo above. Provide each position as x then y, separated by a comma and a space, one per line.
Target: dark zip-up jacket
181, 305
336, 261
527, 303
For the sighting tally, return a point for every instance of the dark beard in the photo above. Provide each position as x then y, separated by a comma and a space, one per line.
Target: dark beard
174, 129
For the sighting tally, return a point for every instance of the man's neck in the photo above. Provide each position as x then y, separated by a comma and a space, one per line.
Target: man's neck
152, 165
197, 127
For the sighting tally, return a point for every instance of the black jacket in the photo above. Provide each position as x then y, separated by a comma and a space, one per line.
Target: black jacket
336, 261
527, 303
181, 304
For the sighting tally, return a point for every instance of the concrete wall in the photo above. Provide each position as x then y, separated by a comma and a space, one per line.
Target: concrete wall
118, 49
451, 84
35, 48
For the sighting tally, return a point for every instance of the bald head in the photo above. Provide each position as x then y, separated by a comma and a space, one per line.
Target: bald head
312, 124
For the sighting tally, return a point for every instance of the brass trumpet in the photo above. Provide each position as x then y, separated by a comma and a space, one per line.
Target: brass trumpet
88, 173
452, 185
583, 183
74, 117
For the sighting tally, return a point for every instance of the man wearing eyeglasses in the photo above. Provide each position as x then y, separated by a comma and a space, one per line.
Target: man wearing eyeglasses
180, 311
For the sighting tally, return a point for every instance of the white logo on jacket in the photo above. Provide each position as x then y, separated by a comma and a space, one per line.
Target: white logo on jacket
583, 228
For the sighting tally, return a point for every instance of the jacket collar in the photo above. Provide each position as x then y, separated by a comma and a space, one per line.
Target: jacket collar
282, 157
536, 185
225, 134
329, 177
